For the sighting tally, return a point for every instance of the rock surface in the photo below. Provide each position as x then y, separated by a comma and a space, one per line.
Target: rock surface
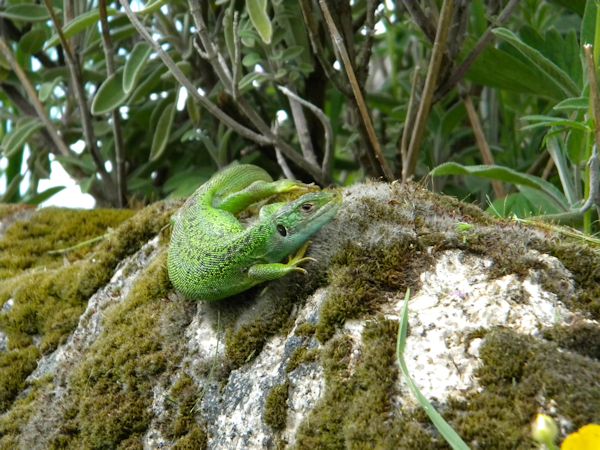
503, 324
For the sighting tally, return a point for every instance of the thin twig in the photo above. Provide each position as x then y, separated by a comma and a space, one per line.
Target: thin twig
484, 148
285, 168
306, 145
220, 66
418, 15
185, 82
437, 52
358, 96
411, 113
594, 92
33, 97
364, 55
116, 116
80, 97
481, 45
325, 123
210, 51
237, 56
318, 50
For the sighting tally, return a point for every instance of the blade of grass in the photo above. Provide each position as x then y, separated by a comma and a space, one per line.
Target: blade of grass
442, 426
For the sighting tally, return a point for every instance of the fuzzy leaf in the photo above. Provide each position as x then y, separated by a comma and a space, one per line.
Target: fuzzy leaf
257, 10
17, 138
135, 64
162, 132
79, 24
506, 175
110, 95
33, 41
551, 70
26, 12
581, 103
40, 197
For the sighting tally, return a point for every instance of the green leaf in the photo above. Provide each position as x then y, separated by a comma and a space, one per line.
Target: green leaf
442, 426
135, 64
251, 59
11, 193
84, 162
151, 7
184, 184
87, 184
162, 132
581, 103
257, 10
506, 175
148, 83
549, 121
80, 23
588, 24
17, 138
26, 12
578, 146
515, 204
110, 95
553, 72
247, 80
500, 69
41, 197
228, 30
557, 152
289, 54
33, 41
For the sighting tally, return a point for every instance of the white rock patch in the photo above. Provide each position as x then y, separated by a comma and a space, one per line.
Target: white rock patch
457, 298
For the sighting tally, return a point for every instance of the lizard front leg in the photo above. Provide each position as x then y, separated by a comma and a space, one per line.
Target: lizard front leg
273, 271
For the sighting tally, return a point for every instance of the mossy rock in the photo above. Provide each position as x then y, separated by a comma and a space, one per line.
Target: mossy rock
97, 351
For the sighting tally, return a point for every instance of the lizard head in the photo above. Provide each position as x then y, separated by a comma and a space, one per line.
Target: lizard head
295, 222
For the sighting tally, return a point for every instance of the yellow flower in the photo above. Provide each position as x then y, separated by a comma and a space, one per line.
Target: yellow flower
586, 438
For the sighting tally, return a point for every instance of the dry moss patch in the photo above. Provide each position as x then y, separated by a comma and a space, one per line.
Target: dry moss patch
44, 294
112, 390
357, 406
520, 375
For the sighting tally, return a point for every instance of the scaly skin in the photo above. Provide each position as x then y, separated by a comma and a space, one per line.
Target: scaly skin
213, 256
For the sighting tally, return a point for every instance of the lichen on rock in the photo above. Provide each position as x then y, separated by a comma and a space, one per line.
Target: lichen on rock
97, 351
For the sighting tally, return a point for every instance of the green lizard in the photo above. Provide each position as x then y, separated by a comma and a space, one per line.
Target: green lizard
212, 255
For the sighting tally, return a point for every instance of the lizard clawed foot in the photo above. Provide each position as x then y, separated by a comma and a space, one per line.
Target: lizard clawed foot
299, 258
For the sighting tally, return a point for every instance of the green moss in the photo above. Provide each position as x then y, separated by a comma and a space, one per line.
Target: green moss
275, 412
14, 367
196, 439
301, 356
111, 390
9, 209
50, 291
181, 420
584, 263
580, 337
358, 403
363, 278
12, 422
517, 373
259, 322
27, 244
306, 329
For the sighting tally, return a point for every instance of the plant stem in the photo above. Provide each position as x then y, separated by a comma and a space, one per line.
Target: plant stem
439, 45
116, 117
358, 96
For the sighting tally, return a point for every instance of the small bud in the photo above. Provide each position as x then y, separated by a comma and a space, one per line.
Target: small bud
544, 430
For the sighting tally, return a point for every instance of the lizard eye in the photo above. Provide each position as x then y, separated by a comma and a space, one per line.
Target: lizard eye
307, 207
281, 230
